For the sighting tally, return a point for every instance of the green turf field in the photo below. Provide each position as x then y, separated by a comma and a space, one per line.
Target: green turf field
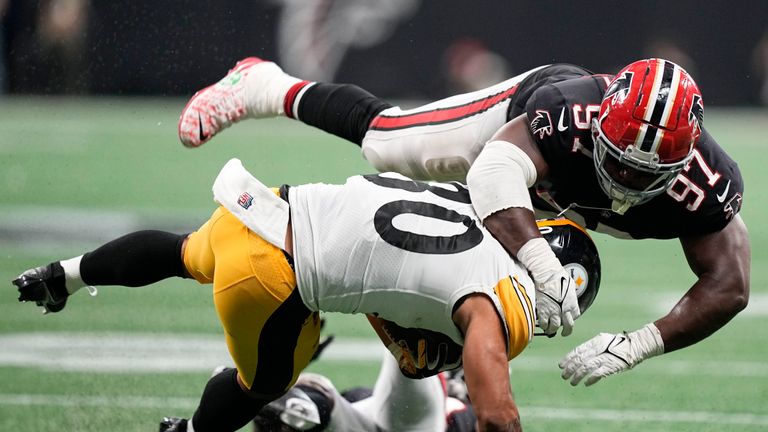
77, 173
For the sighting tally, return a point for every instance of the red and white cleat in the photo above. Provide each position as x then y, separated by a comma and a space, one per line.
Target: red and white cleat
254, 88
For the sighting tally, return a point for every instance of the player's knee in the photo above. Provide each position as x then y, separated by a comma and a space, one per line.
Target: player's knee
420, 156
381, 161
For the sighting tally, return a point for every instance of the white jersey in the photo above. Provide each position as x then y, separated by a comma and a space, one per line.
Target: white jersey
405, 251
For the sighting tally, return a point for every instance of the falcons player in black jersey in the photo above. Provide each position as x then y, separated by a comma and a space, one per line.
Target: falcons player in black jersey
625, 155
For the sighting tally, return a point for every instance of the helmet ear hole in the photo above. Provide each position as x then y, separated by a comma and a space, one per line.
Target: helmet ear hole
578, 255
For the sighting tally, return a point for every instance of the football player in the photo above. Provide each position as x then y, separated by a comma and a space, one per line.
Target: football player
395, 403
622, 154
439, 290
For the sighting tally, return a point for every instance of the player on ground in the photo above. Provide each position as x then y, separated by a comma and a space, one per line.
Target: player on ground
624, 155
314, 403
438, 289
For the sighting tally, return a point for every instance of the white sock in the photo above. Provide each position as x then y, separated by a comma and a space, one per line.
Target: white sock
72, 278
190, 428
265, 89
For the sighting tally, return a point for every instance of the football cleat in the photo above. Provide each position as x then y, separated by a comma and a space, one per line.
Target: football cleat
254, 88
173, 424
45, 286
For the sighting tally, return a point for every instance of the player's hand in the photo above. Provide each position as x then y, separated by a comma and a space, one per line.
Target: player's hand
556, 303
421, 353
608, 354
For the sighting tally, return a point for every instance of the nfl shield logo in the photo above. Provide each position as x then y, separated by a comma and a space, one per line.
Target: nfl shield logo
245, 200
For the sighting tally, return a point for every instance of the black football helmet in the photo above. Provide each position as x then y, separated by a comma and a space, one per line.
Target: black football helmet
578, 255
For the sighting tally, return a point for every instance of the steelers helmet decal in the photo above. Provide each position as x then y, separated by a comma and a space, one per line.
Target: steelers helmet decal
578, 255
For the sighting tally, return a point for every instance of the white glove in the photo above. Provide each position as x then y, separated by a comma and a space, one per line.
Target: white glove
608, 354
556, 300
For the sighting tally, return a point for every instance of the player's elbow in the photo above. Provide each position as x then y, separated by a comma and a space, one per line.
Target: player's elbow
735, 295
734, 271
740, 296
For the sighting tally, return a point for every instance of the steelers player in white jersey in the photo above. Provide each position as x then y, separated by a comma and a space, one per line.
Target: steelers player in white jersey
438, 289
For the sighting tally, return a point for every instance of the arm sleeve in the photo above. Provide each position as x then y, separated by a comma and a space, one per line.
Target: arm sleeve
499, 179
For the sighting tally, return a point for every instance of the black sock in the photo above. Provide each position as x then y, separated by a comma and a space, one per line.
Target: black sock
344, 110
137, 259
224, 406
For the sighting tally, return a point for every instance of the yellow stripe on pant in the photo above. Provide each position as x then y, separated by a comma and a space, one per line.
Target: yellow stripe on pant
270, 334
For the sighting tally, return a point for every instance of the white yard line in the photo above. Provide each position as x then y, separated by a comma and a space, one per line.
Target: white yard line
531, 412
638, 416
98, 401
151, 352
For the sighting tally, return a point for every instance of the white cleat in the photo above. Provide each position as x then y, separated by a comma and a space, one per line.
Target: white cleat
254, 88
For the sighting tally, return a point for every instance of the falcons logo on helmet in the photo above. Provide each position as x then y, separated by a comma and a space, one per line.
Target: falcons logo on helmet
696, 115
620, 87
542, 124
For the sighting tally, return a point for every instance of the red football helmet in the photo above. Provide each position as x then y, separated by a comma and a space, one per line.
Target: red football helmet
649, 121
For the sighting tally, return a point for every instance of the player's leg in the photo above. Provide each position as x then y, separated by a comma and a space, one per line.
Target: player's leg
252, 89
435, 141
312, 403
257, 89
440, 140
402, 404
137, 259
270, 334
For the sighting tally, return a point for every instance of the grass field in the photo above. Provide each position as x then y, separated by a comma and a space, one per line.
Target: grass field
77, 173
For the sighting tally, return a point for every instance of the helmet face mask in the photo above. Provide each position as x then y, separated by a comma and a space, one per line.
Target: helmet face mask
631, 177
649, 121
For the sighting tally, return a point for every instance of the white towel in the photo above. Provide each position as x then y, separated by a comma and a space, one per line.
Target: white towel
254, 204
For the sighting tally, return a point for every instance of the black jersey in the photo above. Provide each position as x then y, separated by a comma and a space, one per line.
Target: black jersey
702, 199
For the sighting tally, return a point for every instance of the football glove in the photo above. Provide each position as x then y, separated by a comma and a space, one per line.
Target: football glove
556, 301
421, 353
608, 354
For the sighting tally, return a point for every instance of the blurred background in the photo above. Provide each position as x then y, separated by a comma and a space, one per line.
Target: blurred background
91, 91
395, 48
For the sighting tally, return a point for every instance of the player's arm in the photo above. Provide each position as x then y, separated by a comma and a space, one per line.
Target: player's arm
498, 183
721, 262
513, 225
485, 365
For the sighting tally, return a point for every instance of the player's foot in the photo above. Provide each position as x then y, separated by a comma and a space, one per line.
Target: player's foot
45, 286
254, 88
173, 424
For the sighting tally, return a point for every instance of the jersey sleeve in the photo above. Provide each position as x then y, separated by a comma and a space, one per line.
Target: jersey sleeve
544, 110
